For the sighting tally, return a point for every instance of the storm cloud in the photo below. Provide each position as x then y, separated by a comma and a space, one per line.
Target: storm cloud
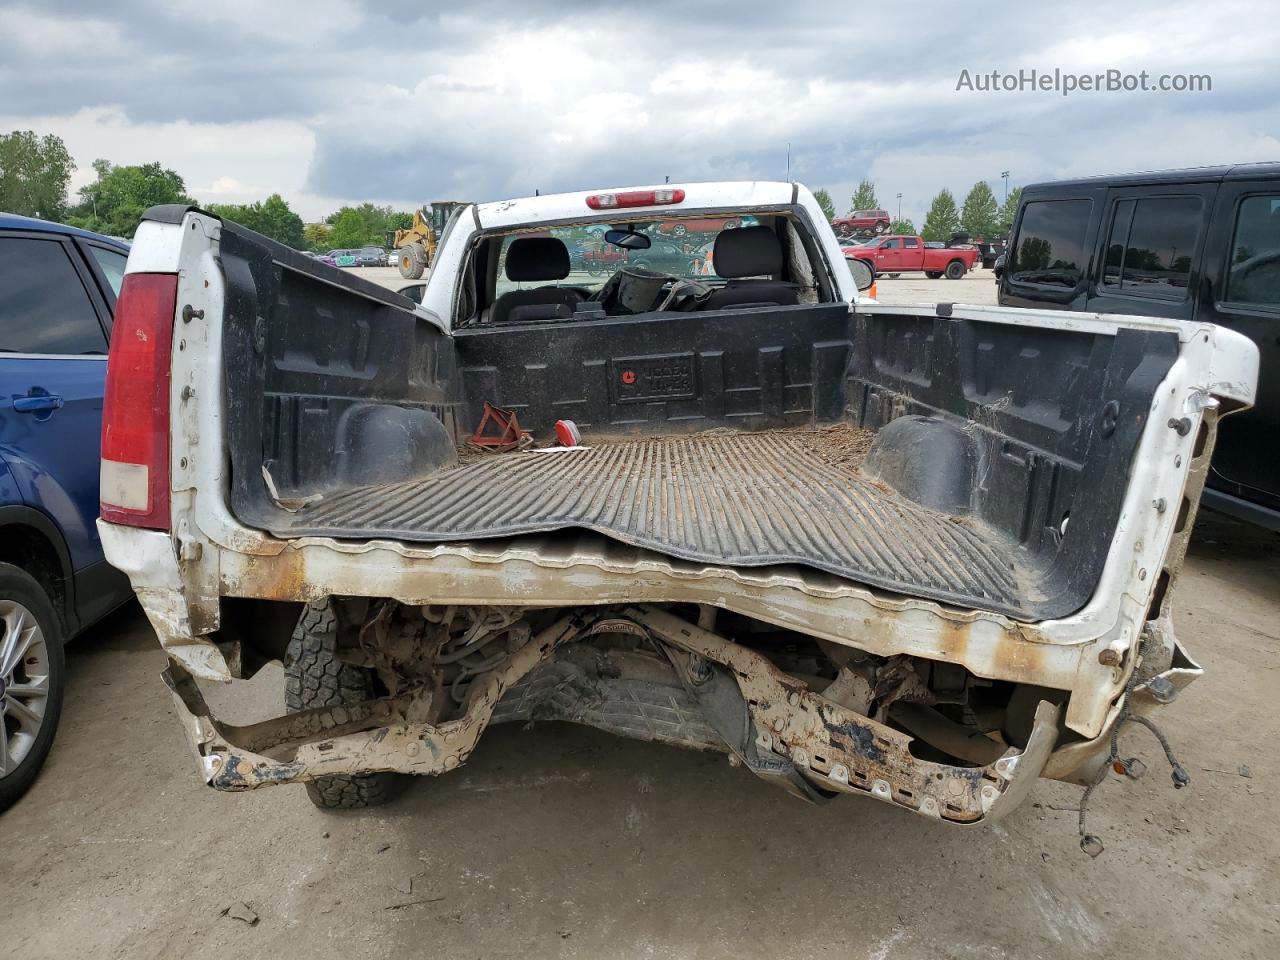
403, 102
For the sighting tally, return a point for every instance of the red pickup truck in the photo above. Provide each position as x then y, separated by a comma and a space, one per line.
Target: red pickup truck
900, 254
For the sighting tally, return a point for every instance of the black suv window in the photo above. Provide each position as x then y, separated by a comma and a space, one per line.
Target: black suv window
1152, 242
1254, 274
1050, 247
44, 307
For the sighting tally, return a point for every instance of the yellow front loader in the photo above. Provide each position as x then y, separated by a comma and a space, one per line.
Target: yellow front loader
415, 246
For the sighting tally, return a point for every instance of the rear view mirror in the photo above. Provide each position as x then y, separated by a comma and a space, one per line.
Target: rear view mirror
863, 275
627, 239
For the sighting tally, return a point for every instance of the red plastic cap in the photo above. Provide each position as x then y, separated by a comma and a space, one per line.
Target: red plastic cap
567, 433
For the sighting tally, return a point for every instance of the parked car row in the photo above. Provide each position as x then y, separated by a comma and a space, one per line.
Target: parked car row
370, 256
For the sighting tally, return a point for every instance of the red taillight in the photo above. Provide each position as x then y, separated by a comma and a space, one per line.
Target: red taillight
634, 198
135, 410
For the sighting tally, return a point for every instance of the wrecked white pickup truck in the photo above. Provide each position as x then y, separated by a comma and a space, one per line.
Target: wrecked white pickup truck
924, 555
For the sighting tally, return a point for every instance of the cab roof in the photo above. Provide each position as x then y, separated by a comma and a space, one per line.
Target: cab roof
699, 198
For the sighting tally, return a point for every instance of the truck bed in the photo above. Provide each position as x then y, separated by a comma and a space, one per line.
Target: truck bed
995, 480
743, 499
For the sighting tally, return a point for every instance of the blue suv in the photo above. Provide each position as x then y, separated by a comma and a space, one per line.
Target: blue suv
58, 289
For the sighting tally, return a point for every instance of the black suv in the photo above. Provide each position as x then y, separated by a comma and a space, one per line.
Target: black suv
1200, 244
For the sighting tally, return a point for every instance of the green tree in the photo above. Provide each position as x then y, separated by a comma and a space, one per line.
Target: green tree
34, 173
316, 237
271, 218
1009, 210
942, 220
374, 222
400, 220
348, 229
980, 217
115, 202
824, 201
864, 198
904, 227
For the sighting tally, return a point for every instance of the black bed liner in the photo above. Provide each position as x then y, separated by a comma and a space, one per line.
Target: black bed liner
744, 500
991, 434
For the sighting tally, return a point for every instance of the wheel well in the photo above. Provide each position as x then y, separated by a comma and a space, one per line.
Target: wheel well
28, 548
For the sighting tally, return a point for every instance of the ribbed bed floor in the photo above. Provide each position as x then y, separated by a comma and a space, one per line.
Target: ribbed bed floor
788, 496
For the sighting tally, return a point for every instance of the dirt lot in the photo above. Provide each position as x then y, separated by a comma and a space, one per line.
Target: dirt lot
977, 287
560, 841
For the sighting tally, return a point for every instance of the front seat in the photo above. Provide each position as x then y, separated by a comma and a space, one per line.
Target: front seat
529, 260
750, 252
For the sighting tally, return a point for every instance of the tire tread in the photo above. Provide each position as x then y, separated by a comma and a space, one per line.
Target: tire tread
315, 677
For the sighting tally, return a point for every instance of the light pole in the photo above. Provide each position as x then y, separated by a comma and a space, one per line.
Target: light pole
1005, 177
899, 208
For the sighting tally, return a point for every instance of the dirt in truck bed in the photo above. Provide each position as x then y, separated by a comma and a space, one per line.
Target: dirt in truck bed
724, 497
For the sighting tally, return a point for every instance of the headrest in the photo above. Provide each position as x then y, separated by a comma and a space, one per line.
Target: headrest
537, 258
746, 252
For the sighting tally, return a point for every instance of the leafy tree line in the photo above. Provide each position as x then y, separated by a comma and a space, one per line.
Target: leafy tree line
35, 173
979, 216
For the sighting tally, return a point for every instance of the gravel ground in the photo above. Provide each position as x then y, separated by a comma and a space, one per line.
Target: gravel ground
561, 841
976, 288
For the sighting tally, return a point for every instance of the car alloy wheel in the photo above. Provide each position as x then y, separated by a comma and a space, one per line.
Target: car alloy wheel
24, 683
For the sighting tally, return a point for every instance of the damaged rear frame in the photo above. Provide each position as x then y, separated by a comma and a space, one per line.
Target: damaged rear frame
791, 733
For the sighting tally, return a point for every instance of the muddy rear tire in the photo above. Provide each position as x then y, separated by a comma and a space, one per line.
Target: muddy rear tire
315, 677
955, 270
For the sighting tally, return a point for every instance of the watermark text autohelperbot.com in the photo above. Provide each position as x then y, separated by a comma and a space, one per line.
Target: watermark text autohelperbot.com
1031, 80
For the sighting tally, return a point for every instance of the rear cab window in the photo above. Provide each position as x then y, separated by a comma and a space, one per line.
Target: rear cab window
1050, 249
44, 305
686, 254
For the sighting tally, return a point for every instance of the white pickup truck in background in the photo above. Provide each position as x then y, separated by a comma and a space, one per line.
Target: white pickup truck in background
922, 555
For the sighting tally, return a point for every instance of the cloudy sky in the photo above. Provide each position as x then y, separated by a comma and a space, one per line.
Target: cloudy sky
405, 101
